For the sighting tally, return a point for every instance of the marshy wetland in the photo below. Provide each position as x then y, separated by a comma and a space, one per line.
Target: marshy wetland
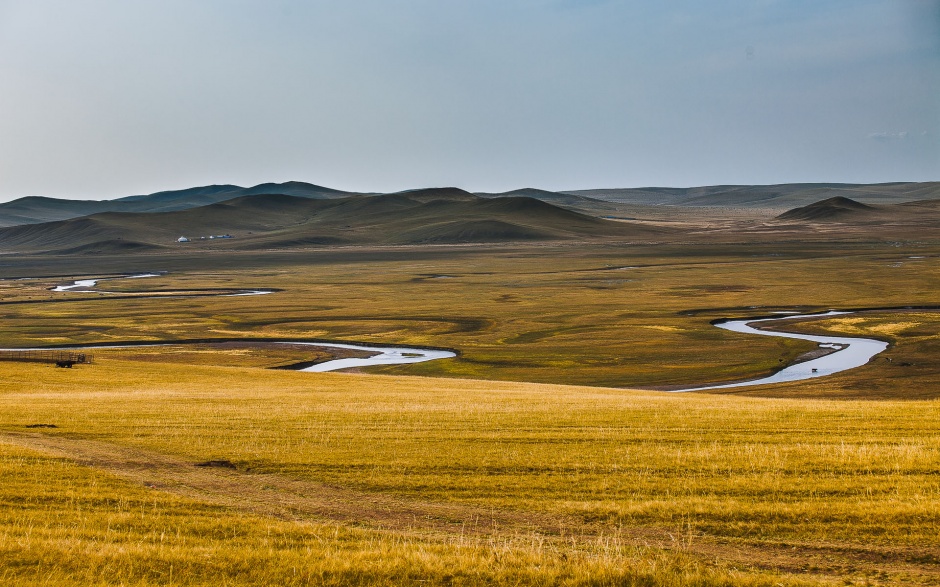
531, 457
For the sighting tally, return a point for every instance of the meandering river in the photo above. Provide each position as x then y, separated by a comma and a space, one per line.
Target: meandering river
86, 285
383, 356
847, 352
844, 352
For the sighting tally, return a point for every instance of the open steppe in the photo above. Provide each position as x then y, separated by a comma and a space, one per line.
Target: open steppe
360, 479
542, 454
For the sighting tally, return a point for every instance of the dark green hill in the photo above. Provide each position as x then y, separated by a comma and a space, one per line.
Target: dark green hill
836, 209
432, 194
207, 194
921, 217
578, 203
276, 220
203, 196
296, 188
36, 209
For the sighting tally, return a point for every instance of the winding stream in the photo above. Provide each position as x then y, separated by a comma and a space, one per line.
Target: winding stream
386, 356
847, 352
80, 283
844, 352
383, 356
85, 285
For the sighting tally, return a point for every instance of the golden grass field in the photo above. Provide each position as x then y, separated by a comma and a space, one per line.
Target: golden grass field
372, 479
485, 470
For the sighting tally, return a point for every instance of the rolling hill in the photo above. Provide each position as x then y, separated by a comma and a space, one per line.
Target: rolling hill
832, 209
38, 209
621, 203
445, 215
777, 197
35, 209
919, 219
582, 204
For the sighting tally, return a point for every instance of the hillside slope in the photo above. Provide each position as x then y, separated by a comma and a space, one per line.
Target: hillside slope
622, 203
37, 209
582, 204
846, 217
446, 215
777, 197
829, 210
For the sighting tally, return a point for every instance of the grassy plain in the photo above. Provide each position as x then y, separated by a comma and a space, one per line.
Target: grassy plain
623, 316
374, 479
473, 476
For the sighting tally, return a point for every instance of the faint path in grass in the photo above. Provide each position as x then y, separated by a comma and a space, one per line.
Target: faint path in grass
286, 498
283, 497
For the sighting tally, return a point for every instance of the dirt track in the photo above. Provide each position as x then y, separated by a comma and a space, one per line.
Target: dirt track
279, 496
287, 498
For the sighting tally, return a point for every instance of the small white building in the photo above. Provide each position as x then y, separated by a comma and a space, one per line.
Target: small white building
182, 239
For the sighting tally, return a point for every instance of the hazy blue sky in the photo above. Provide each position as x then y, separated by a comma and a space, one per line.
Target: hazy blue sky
104, 98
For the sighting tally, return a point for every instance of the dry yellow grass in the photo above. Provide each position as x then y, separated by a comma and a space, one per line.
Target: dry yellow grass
575, 485
371, 479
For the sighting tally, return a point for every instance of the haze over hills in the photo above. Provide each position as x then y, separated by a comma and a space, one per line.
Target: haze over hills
778, 197
616, 202
446, 215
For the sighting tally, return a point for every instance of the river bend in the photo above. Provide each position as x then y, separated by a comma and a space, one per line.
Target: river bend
847, 352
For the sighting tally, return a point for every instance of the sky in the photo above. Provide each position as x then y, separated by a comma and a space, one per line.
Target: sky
108, 98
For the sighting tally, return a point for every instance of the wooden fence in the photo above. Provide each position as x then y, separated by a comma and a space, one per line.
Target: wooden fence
58, 357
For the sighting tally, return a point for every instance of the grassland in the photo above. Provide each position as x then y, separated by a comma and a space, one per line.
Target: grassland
372, 479
624, 316
473, 474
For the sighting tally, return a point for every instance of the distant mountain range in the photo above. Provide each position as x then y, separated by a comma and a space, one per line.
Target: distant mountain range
778, 197
429, 216
295, 214
37, 209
